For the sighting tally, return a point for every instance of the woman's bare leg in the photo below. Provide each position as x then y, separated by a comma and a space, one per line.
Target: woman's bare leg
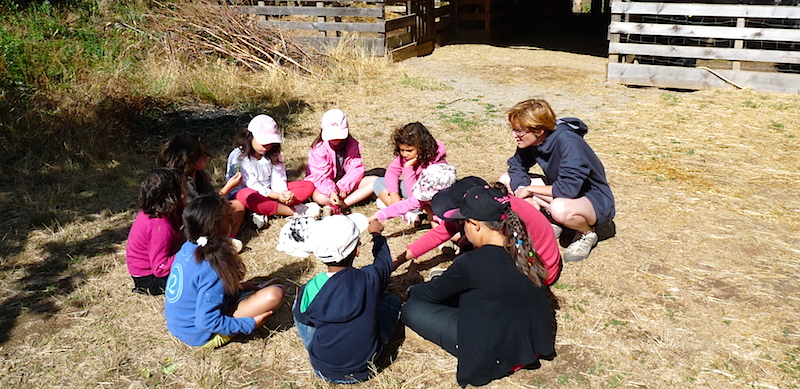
577, 214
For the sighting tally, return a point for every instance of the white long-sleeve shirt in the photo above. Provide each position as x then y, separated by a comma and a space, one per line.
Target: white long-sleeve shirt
257, 174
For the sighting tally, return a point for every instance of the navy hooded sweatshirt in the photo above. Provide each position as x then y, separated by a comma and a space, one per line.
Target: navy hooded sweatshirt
345, 314
570, 165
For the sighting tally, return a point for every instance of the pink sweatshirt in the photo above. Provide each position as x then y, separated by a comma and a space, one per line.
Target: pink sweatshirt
321, 168
150, 245
410, 176
541, 234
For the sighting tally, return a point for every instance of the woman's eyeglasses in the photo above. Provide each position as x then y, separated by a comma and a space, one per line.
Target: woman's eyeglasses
519, 132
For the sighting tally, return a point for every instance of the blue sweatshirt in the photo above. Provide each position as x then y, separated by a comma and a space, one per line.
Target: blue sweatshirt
570, 165
345, 314
195, 298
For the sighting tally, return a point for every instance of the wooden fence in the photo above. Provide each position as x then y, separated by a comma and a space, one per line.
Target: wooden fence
398, 28
699, 46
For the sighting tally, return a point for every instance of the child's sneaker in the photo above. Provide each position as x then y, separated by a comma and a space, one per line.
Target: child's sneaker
580, 249
307, 210
380, 203
260, 220
237, 244
435, 272
412, 217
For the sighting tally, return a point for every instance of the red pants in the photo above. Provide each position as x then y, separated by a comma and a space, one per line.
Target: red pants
257, 203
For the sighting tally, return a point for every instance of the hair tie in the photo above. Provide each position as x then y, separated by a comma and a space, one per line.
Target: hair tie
202, 241
519, 243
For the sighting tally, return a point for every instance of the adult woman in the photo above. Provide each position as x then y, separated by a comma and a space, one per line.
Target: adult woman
574, 189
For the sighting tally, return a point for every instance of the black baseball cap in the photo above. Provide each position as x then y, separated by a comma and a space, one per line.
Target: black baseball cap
449, 198
481, 203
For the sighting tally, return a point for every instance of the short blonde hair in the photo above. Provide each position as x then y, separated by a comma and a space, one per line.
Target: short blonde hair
532, 114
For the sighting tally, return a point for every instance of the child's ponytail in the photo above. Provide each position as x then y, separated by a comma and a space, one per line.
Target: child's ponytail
518, 245
202, 219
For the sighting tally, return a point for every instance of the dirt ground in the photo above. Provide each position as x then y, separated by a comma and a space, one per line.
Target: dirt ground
696, 289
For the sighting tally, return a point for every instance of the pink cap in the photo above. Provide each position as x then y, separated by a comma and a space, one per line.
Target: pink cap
265, 130
334, 125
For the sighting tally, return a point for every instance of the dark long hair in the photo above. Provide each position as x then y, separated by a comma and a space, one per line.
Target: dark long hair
181, 152
518, 243
244, 139
202, 218
161, 192
417, 135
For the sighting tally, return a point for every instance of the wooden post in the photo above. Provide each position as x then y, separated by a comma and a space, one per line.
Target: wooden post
261, 4
738, 44
382, 35
321, 19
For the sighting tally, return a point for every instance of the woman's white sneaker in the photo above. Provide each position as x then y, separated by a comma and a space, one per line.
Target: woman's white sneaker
580, 249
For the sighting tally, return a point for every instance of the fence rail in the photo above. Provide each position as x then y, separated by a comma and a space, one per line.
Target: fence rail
697, 46
326, 23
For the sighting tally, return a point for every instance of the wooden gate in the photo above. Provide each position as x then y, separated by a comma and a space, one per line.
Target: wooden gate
400, 28
698, 46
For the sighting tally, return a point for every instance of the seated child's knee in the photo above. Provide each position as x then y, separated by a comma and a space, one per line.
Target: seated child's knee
271, 293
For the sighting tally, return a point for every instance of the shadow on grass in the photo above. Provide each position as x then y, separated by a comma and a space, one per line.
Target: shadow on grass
63, 268
282, 319
40, 193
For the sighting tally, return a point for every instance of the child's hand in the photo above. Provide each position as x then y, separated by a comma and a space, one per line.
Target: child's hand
335, 200
375, 226
260, 319
286, 197
234, 181
523, 192
410, 162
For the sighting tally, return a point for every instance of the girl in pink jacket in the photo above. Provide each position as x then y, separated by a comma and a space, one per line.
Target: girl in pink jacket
415, 149
155, 235
335, 167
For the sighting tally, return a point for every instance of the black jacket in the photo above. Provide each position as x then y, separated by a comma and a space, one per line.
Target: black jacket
504, 320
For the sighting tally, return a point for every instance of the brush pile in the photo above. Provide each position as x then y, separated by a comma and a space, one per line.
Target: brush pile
201, 28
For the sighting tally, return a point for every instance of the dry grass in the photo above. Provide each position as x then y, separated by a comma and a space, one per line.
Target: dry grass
695, 290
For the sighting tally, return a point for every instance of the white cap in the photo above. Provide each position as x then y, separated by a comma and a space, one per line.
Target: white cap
432, 179
265, 130
334, 125
335, 237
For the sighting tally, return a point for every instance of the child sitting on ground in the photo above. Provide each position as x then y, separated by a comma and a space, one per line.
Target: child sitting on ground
491, 308
188, 153
335, 167
343, 315
536, 224
264, 189
155, 234
206, 301
416, 149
